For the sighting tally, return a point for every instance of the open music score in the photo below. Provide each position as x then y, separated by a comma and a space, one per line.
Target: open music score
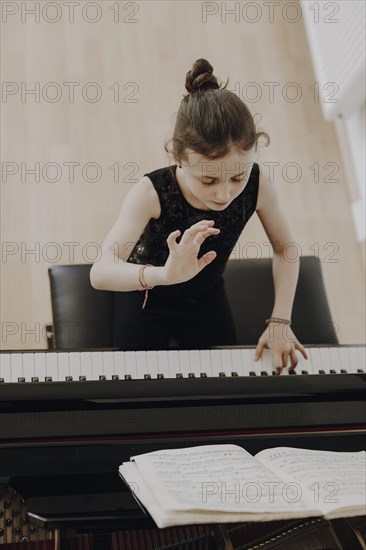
73, 366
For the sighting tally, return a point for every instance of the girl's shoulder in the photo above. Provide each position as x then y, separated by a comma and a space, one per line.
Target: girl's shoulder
267, 195
150, 194
142, 199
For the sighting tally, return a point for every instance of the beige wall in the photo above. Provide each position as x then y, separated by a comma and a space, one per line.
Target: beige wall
148, 52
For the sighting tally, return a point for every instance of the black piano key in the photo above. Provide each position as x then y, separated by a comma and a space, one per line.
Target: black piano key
222, 374
252, 373
160, 376
127, 377
115, 377
332, 371
35, 379
179, 375
203, 375
304, 372
274, 373
102, 377
234, 373
82, 378
68, 378
360, 371
344, 371
292, 371
1, 380
148, 376
264, 373
321, 371
48, 378
21, 379
191, 375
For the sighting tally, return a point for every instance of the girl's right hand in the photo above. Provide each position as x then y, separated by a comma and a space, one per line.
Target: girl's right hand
182, 263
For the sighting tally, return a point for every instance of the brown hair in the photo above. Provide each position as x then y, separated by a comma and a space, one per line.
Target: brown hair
211, 120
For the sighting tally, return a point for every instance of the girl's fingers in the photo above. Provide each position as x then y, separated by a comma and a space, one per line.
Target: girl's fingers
206, 259
294, 359
202, 235
198, 235
277, 362
301, 348
171, 238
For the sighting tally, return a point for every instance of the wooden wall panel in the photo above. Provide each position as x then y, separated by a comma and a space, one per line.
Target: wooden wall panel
154, 53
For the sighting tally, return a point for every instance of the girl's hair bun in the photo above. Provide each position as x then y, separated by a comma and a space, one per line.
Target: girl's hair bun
201, 77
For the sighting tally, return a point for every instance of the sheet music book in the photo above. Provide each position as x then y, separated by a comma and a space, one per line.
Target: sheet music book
225, 483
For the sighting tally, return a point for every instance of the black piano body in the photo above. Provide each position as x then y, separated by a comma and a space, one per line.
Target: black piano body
66, 439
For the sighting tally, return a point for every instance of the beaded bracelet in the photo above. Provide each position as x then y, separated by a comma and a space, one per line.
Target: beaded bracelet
143, 283
278, 320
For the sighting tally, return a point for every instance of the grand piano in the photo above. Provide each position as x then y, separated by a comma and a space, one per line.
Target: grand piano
70, 418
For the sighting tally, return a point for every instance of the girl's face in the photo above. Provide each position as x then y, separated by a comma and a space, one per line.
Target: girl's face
214, 184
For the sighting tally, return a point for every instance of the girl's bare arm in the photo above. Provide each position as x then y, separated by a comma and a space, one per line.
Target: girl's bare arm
285, 269
111, 271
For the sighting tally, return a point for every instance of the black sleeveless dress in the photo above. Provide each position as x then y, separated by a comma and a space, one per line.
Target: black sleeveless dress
195, 313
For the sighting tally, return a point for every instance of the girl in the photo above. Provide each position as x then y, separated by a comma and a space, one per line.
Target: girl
179, 224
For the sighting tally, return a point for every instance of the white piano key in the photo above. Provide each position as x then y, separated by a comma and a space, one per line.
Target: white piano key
152, 363
5, 367
163, 360
174, 363
206, 362
141, 364
316, 362
16, 366
237, 363
185, 363
28, 366
325, 358
120, 367
175, 368
130, 367
63, 360
75, 365
353, 359
52, 366
86, 365
108, 364
249, 364
360, 353
195, 362
334, 360
344, 358
215, 360
97, 365
40, 369
226, 363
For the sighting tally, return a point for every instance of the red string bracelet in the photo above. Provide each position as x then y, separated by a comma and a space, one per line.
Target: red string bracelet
143, 283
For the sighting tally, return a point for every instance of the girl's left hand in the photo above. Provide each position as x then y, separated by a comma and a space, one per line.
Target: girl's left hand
283, 343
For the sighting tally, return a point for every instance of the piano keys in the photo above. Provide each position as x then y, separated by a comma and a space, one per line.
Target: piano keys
64, 366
